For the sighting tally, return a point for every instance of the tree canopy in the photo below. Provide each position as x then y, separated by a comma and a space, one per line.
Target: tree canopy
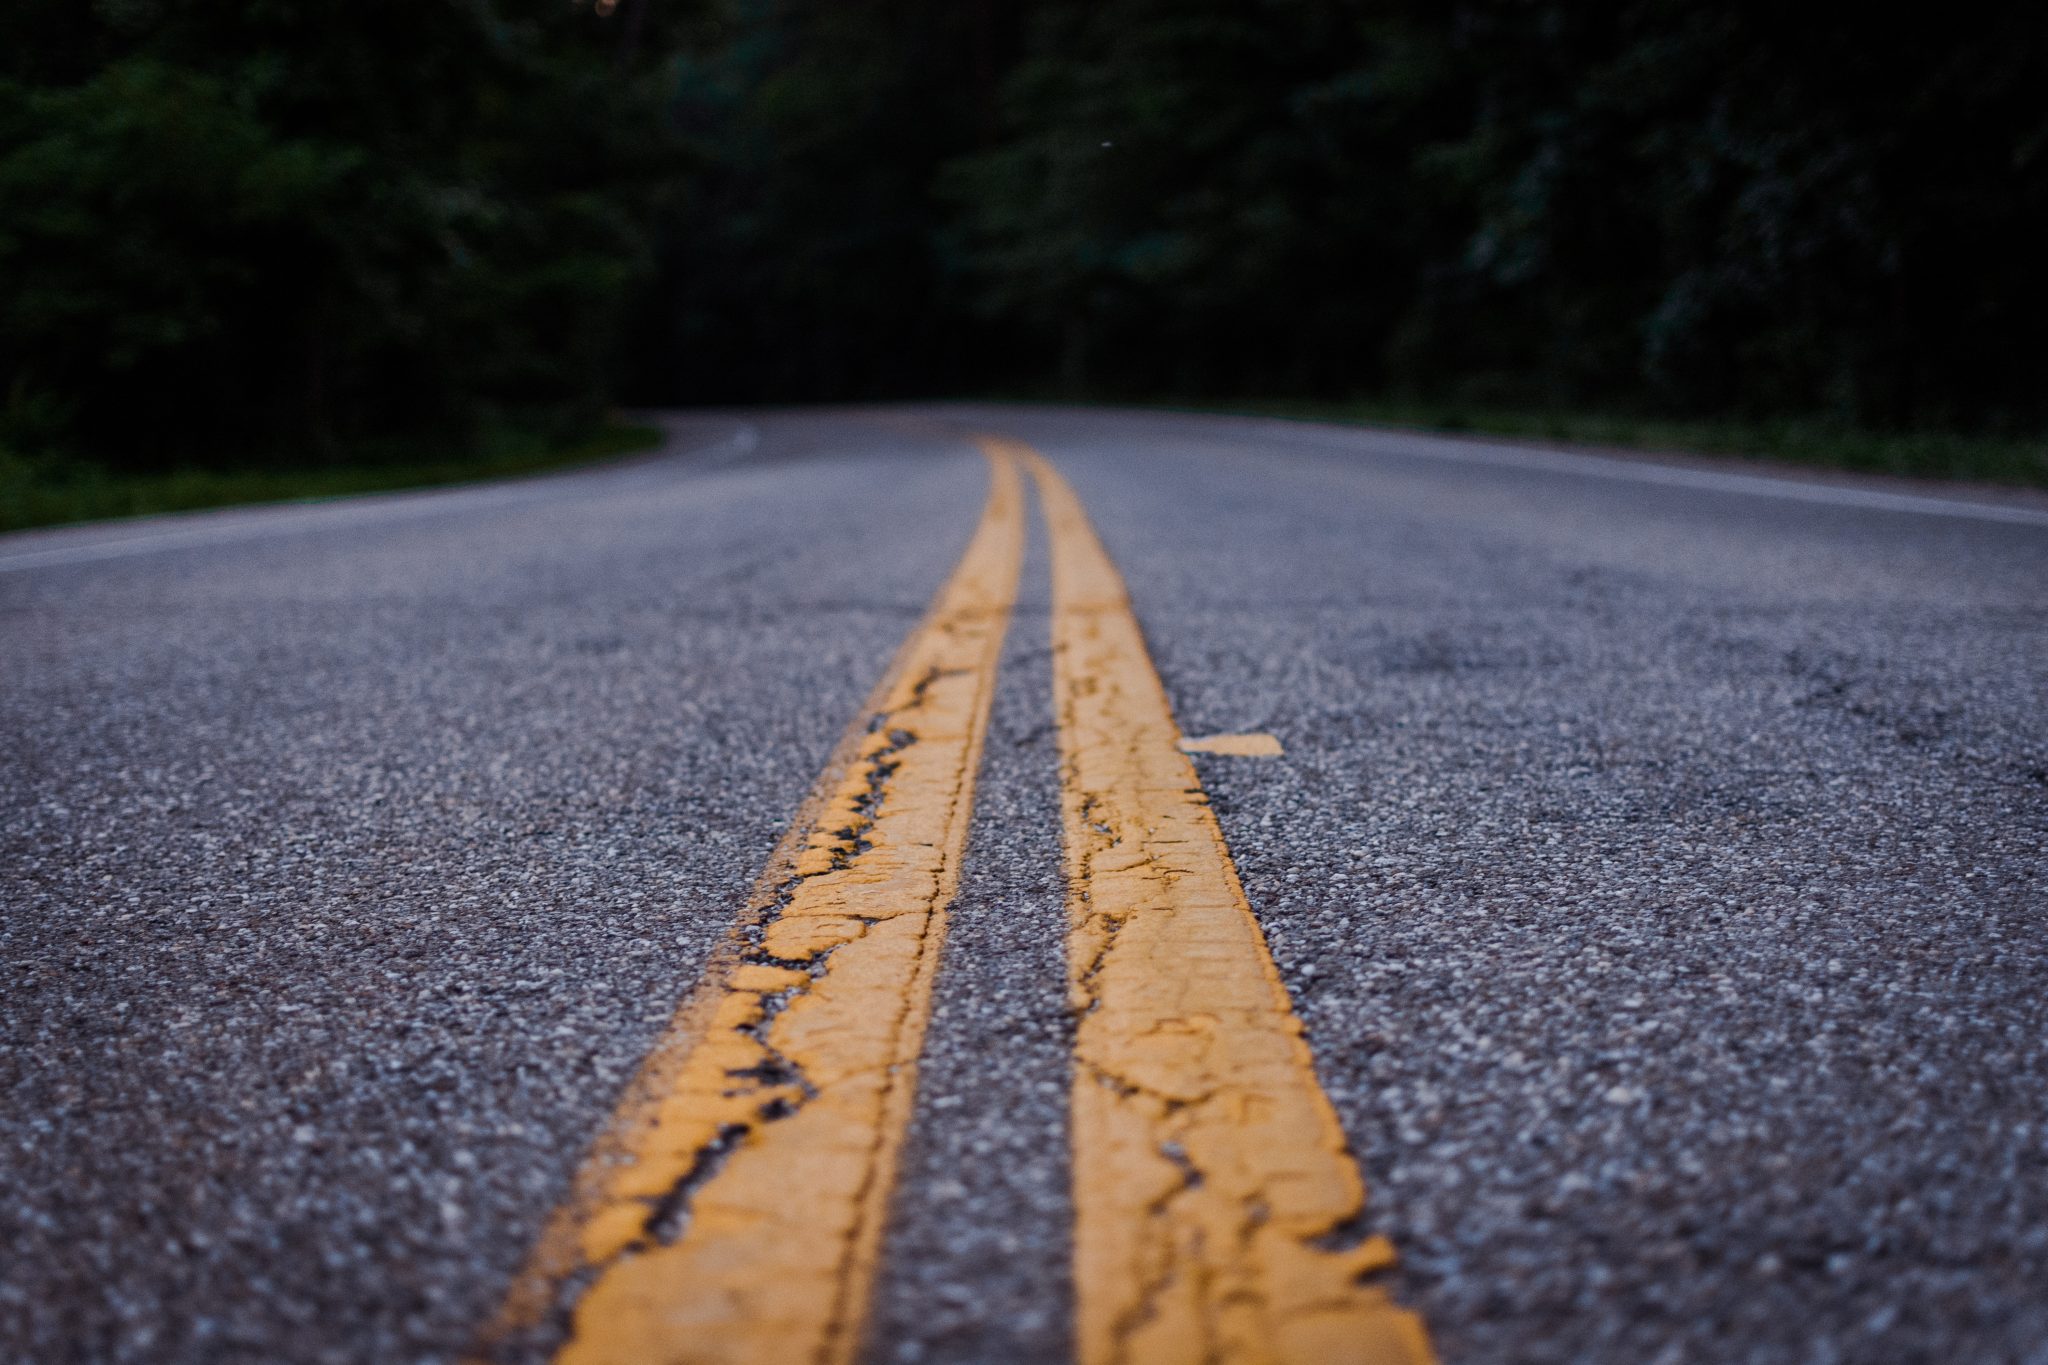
288, 227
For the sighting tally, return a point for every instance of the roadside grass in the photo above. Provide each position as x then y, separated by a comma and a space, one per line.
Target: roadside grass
49, 491
1921, 455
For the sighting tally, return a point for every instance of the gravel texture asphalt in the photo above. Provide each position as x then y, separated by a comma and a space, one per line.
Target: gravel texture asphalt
1657, 861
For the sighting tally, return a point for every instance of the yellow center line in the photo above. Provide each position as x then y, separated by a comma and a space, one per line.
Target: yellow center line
735, 1211
1215, 1198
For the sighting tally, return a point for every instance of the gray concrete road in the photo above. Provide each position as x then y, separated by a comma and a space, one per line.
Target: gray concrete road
1657, 862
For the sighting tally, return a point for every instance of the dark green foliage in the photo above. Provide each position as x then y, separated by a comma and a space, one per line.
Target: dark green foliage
304, 225
1177, 205
39, 492
297, 230
811, 259
1693, 208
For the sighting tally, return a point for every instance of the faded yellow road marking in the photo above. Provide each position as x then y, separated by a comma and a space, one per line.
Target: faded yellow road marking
1215, 1198
737, 1212
1242, 746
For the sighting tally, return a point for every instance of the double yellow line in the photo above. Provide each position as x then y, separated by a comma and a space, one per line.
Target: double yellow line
734, 1211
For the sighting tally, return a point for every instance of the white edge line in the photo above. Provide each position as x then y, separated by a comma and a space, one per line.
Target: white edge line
1622, 469
274, 518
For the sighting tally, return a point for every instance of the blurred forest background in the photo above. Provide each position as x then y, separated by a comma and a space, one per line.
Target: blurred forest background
307, 234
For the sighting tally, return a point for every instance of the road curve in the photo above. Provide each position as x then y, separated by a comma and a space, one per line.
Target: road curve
1652, 854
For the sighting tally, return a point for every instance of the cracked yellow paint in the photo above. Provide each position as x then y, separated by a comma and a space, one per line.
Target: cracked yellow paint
1241, 746
1215, 1198
735, 1213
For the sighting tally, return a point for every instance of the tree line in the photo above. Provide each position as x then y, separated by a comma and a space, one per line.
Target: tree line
296, 229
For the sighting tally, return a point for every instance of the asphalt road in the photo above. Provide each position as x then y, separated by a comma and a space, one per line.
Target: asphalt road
1656, 862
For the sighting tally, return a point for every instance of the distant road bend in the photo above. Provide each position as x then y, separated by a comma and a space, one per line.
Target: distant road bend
977, 884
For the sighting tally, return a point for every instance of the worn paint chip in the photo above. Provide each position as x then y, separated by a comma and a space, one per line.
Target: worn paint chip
1260, 745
